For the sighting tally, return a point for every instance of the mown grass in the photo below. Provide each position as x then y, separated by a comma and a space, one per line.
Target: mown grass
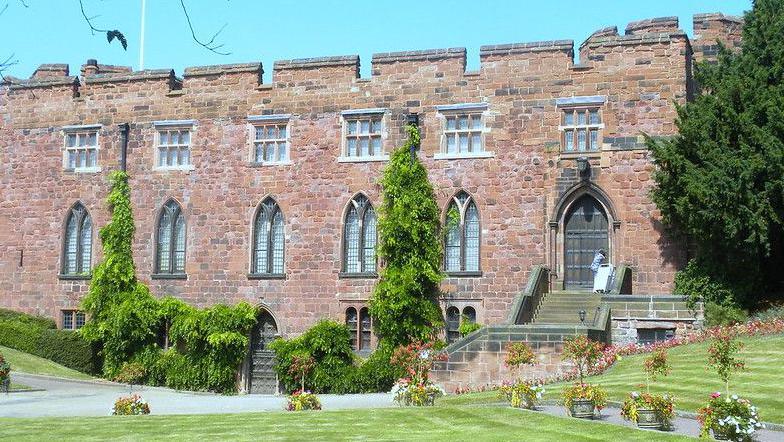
27, 363
690, 381
430, 424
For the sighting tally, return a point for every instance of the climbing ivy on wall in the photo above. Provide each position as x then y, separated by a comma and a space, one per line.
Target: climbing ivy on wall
404, 304
127, 321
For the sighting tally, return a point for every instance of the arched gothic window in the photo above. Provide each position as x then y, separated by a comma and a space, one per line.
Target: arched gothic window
268, 239
462, 235
469, 314
170, 257
78, 243
452, 324
361, 328
359, 237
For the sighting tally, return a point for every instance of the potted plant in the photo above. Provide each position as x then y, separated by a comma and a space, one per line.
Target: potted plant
520, 393
132, 405
652, 411
728, 417
583, 399
417, 360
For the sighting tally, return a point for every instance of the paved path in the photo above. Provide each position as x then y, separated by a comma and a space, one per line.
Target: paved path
64, 397
682, 425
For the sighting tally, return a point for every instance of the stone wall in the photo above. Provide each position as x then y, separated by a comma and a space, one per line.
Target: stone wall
517, 189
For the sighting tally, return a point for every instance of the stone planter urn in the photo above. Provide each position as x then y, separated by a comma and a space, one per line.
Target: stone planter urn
647, 419
582, 408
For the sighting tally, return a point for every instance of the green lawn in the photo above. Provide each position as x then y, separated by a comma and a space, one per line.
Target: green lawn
27, 363
690, 382
17, 386
431, 424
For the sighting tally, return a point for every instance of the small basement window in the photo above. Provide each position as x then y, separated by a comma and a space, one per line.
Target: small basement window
73, 319
653, 335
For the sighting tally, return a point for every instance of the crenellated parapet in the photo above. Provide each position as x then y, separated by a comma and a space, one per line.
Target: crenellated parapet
649, 50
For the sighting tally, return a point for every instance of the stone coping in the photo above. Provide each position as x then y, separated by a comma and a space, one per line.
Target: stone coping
233, 68
147, 74
717, 16
317, 62
18, 83
422, 55
525, 48
656, 22
634, 39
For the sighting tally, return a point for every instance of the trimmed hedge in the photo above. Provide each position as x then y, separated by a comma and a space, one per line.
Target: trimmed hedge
38, 336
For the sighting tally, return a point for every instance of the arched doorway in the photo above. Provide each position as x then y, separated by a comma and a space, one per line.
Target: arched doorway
262, 360
586, 231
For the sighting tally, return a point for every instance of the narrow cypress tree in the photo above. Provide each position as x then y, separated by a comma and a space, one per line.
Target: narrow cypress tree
404, 304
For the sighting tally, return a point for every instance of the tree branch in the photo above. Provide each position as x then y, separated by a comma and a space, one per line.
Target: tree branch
110, 35
5, 64
210, 44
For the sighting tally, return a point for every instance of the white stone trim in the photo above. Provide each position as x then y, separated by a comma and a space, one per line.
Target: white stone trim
462, 107
466, 155
590, 100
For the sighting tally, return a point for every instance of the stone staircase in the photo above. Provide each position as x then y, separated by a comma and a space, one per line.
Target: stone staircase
563, 308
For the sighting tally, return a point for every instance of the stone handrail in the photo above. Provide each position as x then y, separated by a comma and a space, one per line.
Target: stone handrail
527, 302
622, 281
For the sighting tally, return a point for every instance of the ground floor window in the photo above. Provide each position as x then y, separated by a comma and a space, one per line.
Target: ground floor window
653, 335
360, 325
453, 320
72, 319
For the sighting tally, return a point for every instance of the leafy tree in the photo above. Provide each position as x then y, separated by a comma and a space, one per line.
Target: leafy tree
720, 181
404, 304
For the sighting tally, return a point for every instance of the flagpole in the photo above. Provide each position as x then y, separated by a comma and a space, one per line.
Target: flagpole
141, 39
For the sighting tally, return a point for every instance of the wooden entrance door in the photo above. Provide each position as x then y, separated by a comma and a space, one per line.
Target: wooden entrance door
586, 232
262, 374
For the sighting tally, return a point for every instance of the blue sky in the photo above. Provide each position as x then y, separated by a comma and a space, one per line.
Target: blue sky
53, 31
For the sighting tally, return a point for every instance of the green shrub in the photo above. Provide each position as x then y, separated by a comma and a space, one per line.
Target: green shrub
467, 327
718, 315
696, 283
33, 335
38, 321
336, 368
131, 373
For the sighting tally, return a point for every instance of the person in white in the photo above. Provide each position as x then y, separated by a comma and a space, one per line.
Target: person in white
598, 258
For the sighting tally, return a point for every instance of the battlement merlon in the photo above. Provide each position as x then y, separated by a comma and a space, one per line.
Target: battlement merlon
333, 68
409, 61
709, 29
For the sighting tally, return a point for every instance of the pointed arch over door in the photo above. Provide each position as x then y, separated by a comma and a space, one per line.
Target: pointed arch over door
262, 377
586, 231
584, 220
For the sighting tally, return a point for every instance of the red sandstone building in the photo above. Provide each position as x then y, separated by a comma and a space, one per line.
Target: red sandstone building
265, 192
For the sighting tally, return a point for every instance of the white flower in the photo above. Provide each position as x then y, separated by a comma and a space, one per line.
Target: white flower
734, 397
424, 354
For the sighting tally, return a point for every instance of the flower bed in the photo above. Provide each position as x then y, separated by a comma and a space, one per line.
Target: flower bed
730, 418
303, 400
612, 353
132, 405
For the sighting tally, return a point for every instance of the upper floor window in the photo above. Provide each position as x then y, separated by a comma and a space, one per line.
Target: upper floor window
363, 132
72, 319
268, 239
581, 123
81, 148
463, 131
359, 237
462, 235
361, 328
173, 144
78, 243
170, 255
270, 139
